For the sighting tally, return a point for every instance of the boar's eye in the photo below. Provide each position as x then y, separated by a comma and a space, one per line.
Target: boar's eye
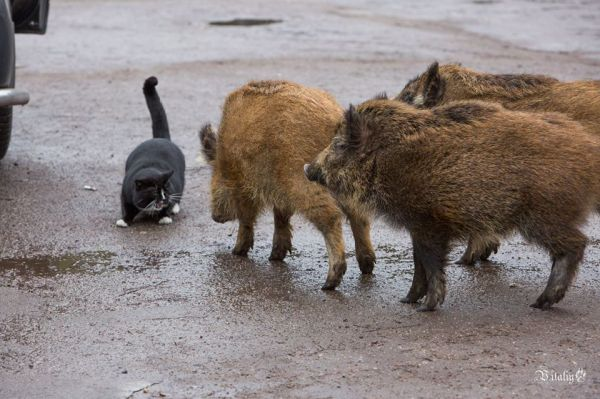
408, 97
338, 145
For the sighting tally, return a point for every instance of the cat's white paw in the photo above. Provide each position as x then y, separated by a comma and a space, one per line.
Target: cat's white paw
122, 223
165, 220
175, 209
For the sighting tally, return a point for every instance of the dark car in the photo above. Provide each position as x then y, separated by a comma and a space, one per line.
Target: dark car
16, 16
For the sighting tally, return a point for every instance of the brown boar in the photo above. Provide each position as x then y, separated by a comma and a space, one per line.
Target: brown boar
467, 169
443, 84
269, 129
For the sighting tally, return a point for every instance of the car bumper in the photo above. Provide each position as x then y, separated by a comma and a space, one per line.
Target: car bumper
9, 97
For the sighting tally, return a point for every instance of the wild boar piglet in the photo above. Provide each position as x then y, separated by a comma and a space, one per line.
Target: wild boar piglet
442, 84
268, 130
467, 170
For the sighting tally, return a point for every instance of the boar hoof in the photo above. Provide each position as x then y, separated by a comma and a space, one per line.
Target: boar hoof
542, 304
366, 264
426, 308
279, 252
409, 299
434, 298
470, 256
468, 259
330, 284
414, 294
546, 301
276, 257
487, 252
241, 252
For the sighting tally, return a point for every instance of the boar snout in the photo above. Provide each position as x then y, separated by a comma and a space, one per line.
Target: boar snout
220, 218
314, 173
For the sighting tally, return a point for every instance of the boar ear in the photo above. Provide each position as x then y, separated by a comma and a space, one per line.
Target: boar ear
356, 129
432, 90
208, 139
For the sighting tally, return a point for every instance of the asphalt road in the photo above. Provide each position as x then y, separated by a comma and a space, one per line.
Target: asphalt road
88, 310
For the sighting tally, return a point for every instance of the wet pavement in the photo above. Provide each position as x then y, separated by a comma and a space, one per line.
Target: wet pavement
88, 310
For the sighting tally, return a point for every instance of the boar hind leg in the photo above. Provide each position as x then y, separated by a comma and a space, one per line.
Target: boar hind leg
430, 255
362, 242
282, 238
479, 249
245, 237
326, 217
564, 268
418, 289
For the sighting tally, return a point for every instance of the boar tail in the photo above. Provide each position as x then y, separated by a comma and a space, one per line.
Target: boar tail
208, 140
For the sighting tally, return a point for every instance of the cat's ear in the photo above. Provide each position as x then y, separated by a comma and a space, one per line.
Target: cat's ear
208, 139
165, 176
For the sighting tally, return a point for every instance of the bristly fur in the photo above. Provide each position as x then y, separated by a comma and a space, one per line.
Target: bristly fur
580, 100
154, 171
268, 131
381, 96
430, 176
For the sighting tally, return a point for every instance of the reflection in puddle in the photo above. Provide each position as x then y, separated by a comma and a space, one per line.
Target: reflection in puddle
48, 266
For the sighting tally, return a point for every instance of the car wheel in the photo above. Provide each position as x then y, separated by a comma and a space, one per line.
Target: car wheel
5, 129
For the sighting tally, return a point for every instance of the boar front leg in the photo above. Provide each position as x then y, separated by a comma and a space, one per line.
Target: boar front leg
247, 213
430, 253
362, 242
322, 211
418, 289
334, 241
282, 237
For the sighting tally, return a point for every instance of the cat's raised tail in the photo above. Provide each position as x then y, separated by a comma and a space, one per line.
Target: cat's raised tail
160, 125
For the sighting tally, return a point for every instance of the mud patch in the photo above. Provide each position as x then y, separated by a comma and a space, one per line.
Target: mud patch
50, 266
245, 22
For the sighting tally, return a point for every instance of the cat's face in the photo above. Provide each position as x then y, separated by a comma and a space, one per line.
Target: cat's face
152, 191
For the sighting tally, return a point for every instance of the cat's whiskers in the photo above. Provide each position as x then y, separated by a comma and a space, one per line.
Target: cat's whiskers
149, 207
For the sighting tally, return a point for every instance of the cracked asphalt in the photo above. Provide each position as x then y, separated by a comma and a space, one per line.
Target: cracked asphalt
88, 310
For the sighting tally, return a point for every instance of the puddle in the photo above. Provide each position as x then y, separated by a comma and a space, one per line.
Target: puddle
49, 266
245, 22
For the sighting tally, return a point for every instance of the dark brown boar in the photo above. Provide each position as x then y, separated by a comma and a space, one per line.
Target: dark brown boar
269, 129
443, 84
580, 100
468, 169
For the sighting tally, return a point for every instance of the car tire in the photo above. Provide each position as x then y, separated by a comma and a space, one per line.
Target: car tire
5, 129
6, 117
